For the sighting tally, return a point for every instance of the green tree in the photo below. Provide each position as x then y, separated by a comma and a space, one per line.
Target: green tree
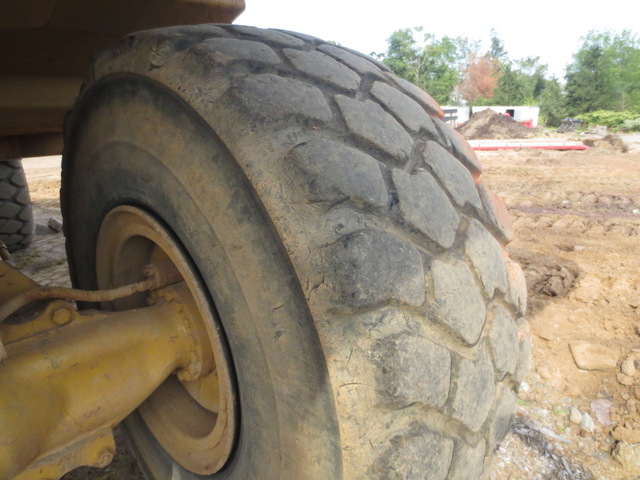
497, 50
510, 88
533, 75
521, 82
552, 103
432, 64
605, 73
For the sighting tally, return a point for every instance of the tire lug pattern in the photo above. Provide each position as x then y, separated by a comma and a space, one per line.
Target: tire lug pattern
398, 249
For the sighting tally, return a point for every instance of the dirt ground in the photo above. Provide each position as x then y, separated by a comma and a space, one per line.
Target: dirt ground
576, 218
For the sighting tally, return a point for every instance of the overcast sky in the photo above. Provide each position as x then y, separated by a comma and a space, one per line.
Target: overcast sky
550, 29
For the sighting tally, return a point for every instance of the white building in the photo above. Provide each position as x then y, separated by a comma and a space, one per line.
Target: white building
455, 115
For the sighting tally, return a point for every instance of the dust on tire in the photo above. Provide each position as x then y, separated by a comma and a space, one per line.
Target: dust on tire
398, 251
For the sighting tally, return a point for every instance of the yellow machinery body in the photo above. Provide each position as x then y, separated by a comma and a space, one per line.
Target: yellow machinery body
68, 377
45, 47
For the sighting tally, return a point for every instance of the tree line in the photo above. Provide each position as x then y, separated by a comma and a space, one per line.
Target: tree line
603, 76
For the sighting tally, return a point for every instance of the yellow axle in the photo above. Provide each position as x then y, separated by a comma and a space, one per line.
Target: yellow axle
69, 377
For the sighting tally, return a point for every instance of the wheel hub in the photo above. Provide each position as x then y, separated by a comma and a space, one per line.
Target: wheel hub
193, 414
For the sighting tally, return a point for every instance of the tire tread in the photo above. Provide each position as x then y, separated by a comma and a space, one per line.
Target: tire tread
16, 215
375, 199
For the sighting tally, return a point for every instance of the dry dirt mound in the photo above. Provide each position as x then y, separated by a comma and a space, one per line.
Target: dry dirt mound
609, 143
548, 276
489, 124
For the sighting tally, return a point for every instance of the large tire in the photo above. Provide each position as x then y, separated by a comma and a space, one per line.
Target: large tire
357, 266
16, 215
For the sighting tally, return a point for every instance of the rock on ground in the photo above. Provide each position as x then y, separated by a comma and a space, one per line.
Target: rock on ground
591, 356
628, 455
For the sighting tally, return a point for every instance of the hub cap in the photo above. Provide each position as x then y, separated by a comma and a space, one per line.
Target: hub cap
193, 415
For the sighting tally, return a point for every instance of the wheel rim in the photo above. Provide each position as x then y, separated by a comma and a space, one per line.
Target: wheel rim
194, 416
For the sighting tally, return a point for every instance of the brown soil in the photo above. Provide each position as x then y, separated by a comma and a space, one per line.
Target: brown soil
577, 221
489, 124
611, 143
576, 218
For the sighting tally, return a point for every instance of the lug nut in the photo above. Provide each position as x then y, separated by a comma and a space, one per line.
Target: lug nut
62, 316
104, 458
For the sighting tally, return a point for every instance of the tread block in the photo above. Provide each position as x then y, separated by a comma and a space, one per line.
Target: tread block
15, 173
452, 174
23, 198
306, 39
356, 62
444, 133
501, 416
425, 207
474, 391
407, 110
27, 229
9, 227
405, 378
182, 36
524, 351
152, 49
225, 51
458, 303
503, 339
463, 152
368, 122
7, 191
273, 37
486, 255
459, 147
9, 210
16, 216
333, 172
517, 291
324, 69
370, 267
26, 215
369, 59
398, 461
467, 461
14, 240
419, 95
19, 180
269, 98
494, 213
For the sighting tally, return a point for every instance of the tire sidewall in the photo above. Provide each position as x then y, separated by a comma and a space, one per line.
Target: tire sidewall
133, 142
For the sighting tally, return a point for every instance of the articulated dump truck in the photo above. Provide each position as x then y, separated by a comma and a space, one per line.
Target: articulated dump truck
284, 265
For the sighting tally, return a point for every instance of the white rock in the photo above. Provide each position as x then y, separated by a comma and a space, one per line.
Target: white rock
587, 423
575, 416
628, 366
54, 224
